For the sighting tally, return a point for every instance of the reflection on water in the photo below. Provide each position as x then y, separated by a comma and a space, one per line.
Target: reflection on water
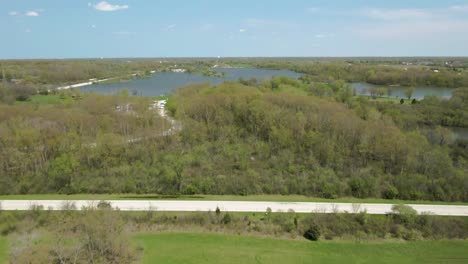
399, 91
166, 82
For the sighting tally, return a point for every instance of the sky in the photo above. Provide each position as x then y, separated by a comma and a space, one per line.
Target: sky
234, 28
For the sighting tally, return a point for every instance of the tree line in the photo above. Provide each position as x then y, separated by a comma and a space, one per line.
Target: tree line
374, 71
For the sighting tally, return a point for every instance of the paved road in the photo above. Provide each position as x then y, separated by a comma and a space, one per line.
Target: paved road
231, 206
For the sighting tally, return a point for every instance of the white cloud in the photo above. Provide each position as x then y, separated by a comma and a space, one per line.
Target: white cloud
242, 30
321, 36
206, 27
415, 23
105, 6
93, 26
122, 33
396, 14
256, 22
32, 13
415, 29
169, 27
312, 9
461, 8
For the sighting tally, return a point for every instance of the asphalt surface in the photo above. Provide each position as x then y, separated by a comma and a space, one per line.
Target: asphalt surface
230, 206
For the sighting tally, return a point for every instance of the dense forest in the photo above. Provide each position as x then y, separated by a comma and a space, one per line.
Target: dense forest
247, 137
46, 147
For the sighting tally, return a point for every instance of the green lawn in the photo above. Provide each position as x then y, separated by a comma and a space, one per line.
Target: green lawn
3, 250
211, 248
278, 198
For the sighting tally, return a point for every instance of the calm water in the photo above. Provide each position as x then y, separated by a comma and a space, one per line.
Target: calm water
166, 82
399, 91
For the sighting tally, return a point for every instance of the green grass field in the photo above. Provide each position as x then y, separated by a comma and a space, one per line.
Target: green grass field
3, 250
277, 198
211, 248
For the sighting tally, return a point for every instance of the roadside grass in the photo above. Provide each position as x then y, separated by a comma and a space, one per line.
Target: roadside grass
213, 248
260, 198
3, 250
218, 248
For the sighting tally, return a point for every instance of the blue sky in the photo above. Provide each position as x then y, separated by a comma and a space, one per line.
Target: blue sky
209, 28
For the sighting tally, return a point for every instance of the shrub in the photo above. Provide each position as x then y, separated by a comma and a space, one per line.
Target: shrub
390, 192
313, 233
104, 205
226, 219
8, 223
403, 214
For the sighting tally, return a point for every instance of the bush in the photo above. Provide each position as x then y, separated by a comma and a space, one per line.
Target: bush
8, 223
22, 93
313, 233
104, 205
403, 214
226, 219
390, 192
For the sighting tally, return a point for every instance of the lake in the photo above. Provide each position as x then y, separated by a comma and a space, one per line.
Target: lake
399, 91
166, 82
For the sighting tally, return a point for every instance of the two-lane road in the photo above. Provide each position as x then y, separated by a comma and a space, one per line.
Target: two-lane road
230, 206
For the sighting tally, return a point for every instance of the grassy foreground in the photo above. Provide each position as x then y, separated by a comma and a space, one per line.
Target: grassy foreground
212, 248
272, 198
3, 250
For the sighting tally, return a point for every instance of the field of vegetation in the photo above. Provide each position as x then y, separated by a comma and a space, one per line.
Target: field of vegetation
107, 236
276, 137
280, 140
3, 250
215, 248
207, 248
